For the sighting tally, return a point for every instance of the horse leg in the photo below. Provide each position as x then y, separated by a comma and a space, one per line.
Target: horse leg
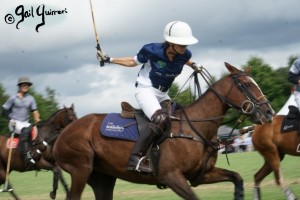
102, 185
264, 171
57, 176
217, 175
272, 163
289, 194
177, 182
55, 184
79, 177
2, 181
64, 183
79, 170
12, 192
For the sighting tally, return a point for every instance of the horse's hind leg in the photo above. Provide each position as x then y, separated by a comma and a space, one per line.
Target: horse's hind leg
177, 182
102, 185
272, 163
78, 182
217, 175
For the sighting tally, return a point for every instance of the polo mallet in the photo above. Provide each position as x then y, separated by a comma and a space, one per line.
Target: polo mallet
96, 34
6, 189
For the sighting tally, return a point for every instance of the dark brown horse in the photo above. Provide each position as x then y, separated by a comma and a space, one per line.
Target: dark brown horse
273, 144
48, 131
188, 153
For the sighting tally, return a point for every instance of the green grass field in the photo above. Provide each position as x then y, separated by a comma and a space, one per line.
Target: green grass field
32, 186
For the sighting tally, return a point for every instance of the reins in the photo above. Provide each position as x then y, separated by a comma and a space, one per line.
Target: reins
208, 79
43, 142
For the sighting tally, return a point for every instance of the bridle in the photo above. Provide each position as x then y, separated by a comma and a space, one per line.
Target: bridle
249, 106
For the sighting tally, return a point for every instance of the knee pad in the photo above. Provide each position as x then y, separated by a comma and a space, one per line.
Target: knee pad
26, 133
161, 121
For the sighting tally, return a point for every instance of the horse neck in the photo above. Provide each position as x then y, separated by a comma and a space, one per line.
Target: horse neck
55, 121
208, 106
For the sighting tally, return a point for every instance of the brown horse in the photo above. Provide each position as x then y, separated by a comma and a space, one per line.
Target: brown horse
273, 144
48, 131
188, 153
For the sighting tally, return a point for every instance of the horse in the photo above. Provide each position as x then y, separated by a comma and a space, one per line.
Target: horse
273, 144
188, 153
47, 132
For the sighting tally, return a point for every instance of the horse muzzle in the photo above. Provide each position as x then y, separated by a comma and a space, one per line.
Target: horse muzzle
263, 114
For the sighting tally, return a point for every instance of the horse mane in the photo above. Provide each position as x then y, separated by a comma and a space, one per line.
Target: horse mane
44, 122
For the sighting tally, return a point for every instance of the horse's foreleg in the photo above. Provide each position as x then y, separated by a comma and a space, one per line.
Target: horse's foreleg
217, 175
177, 182
55, 184
103, 185
12, 192
57, 175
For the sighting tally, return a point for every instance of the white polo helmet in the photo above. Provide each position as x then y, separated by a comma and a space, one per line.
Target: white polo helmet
178, 32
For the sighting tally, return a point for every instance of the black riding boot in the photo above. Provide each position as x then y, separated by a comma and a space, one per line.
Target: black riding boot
25, 139
136, 160
160, 123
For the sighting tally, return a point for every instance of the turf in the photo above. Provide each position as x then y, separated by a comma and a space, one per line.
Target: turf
36, 186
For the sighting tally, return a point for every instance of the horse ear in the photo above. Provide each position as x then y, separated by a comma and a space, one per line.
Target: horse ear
248, 69
65, 107
231, 68
72, 106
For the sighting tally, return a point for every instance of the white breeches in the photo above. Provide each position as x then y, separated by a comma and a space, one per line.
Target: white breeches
149, 99
18, 126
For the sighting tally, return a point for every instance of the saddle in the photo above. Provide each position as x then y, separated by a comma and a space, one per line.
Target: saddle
129, 112
130, 123
15, 141
292, 121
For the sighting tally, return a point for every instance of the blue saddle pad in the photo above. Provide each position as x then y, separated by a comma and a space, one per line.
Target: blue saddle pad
115, 126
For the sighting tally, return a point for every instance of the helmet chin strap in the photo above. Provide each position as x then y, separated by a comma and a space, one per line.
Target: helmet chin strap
174, 50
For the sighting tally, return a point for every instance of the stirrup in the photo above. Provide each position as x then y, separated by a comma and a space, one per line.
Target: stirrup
298, 148
138, 164
137, 167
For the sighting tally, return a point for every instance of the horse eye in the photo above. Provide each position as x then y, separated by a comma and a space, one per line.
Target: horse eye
247, 84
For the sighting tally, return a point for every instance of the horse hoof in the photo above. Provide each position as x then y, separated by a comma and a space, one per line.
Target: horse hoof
52, 195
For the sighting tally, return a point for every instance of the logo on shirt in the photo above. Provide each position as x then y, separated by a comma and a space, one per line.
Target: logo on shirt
161, 64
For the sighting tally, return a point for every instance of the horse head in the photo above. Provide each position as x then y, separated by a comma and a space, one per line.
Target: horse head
57, 121
69, 116
240, 91
64, 117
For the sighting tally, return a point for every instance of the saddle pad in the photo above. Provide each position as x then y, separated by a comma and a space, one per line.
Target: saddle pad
34, 132
14, 143
115, 126
289, 124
